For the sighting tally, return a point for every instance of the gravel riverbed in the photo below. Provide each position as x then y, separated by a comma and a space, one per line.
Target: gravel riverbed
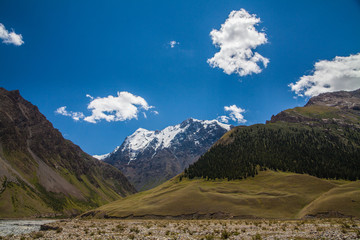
198, 229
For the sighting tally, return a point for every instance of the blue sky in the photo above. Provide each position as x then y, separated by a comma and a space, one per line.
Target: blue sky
75, 48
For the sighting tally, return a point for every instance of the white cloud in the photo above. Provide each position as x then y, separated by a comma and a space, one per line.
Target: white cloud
173, 43
74, 115
237, 38
124, 106
224, 119
10, 37
341, 73
235, 114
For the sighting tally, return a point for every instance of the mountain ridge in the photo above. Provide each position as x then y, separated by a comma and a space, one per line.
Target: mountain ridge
44, 174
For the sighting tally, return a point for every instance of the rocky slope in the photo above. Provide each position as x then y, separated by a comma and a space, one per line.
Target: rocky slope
148, 158
41, 173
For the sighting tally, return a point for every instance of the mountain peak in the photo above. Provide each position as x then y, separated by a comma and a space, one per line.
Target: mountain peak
174, 147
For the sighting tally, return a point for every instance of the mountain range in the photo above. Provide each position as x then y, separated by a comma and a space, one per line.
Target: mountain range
149, 158
43, 174
304, 162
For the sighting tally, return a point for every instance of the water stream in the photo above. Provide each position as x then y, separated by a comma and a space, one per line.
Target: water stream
17, 227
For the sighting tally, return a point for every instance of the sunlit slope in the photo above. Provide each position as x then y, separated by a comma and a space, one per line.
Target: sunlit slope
268, 195
343, 200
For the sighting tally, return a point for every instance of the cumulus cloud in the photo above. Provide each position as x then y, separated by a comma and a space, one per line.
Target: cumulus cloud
10, 37
173, 43
341, 73
234, 114
237, 38
74, 115
124, 106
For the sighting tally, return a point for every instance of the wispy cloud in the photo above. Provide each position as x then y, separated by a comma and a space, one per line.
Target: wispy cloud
234, 114
124, 106
173, 43
10, 37
237, 38
74, 115
341, 73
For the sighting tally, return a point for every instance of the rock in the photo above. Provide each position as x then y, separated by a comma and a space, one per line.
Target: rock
45, 227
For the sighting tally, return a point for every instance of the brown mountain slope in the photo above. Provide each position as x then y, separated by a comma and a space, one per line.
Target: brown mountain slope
43, 173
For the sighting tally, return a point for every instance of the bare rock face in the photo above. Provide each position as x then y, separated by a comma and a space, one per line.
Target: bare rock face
340, 107
149, 158
341, 99
37, 163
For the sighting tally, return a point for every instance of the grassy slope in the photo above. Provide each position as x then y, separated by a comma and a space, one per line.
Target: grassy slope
269, 194
19, 200
344, 199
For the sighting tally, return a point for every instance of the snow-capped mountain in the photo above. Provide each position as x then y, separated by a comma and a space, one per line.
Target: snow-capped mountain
148, 158
103, 156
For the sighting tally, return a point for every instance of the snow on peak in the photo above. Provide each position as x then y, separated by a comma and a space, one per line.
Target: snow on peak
142, 138
101, 157
206, 123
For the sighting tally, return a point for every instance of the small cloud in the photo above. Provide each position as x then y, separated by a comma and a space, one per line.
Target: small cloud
124, 106
223, 119
74, 115
235, 115
89, 96
155, 112
341, 73
237, 39
173, 43
10, 37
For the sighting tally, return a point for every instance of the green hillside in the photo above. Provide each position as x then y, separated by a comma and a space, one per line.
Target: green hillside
268, 195
323, 141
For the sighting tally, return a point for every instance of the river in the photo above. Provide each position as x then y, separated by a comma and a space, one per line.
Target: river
17, 227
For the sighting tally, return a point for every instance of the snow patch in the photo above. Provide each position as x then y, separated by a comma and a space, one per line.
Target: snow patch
101, 157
